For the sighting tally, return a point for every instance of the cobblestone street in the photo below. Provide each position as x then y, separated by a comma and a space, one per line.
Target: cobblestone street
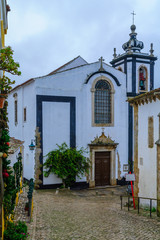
87, 214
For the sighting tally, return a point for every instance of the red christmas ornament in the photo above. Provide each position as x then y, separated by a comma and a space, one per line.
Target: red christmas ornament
5, 174
7, 143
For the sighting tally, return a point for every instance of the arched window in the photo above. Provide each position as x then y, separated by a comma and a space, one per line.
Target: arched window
102, 103
143, 79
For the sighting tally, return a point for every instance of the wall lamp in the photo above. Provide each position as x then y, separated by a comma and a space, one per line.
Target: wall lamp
32, 145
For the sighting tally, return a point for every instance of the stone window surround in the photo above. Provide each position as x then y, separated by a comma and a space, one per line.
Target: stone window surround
150, 132
112, 102
102, 148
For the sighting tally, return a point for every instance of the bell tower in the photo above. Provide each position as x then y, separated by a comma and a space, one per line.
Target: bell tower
138, 66
139, 70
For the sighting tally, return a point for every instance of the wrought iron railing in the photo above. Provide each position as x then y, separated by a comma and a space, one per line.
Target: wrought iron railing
138, 204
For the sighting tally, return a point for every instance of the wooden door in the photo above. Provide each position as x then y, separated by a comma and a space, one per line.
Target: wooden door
102, 168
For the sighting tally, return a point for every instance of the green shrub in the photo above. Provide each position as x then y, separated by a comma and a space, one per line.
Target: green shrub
153, 209
66, 163
16, 231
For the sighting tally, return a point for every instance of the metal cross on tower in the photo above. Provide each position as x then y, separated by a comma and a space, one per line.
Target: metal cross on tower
133, 16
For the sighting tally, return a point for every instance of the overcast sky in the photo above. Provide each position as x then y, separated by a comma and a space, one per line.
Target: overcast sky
46, 34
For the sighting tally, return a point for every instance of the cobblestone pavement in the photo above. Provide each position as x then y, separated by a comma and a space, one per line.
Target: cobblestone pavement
88, 214
19, 212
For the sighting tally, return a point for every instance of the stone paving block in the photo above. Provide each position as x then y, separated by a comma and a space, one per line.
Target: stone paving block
83, 215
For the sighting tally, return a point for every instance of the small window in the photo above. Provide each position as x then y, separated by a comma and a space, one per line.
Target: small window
24, 114
15, 112
15, 108
150, 132
142, 79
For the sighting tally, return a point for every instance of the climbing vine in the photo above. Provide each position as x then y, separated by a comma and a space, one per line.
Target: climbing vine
8, 196
8, 177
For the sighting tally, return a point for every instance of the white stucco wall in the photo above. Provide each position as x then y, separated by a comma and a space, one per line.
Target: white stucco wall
129, 76
147, 170
56, 130
56, 116
13, 157
72, 84
24, 131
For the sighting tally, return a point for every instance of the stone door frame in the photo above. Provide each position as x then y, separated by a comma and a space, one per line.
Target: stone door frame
103, 148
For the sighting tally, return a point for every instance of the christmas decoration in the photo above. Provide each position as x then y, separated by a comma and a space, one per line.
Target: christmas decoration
4, 155
5, 173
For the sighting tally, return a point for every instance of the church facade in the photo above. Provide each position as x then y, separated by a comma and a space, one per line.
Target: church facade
84, 104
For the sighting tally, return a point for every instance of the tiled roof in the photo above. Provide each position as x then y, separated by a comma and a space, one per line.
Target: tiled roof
141, 98
14, 145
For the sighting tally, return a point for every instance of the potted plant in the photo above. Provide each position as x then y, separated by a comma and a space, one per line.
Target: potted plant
2, 100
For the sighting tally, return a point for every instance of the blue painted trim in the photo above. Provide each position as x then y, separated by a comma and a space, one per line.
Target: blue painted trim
125, 60
125, 66
45, 98
125, 71
151, 75
134, 75
139, 61
130, 136
131, 94
75, 186
118, 64
110, 74
114, 61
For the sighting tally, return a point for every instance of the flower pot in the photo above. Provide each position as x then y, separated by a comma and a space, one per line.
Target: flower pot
2, 100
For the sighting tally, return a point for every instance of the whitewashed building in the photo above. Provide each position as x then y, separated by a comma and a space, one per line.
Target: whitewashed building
84, 104
147, 144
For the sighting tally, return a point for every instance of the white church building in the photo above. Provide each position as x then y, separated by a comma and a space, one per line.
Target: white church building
85, 105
